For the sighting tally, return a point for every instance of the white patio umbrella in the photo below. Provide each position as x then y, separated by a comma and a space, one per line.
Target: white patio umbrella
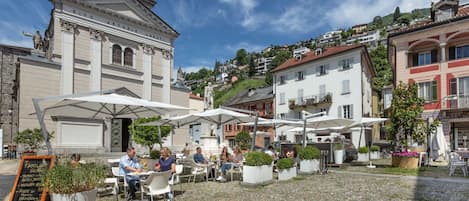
217, 116
300, 130
274, 123
327, 122
110, 105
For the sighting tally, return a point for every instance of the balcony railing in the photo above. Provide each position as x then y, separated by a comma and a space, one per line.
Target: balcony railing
461, 101
321, 100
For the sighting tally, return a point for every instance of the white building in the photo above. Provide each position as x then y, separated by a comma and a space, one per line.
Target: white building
370, 38
300, 51
330, 37
336, 80
262, 65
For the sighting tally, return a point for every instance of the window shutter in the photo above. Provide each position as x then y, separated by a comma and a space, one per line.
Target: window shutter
415, 59
351, 111
339, 112
434, 90
434, 55
452, 53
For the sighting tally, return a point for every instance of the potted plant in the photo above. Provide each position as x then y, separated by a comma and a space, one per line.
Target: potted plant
257, 169
405, 160
309, 162
363, 154
374, 152
339, 153
67, 183
31, 139
286, 168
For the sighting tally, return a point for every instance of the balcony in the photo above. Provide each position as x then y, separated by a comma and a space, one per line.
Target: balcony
310, 102
461, 101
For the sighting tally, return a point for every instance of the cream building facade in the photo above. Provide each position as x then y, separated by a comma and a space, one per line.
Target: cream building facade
93, 45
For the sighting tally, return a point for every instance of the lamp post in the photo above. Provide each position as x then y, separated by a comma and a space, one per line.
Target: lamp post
306, 116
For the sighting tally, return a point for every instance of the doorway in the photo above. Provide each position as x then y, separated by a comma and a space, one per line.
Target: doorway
120, 135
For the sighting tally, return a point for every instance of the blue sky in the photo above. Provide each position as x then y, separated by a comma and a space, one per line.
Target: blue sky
214, 29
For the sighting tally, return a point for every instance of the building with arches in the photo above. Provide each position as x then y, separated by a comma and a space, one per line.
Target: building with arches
435, 55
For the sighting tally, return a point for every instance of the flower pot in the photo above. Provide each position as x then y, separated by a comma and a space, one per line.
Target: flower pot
375, 155
286, 174
363, 157
405, 162
417, 149
309, 166
257, 174
80, 196
339, 156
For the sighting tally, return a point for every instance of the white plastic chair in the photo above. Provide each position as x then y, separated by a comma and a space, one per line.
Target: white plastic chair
156, 184
115, 172
235, 168
175, 177
455, 162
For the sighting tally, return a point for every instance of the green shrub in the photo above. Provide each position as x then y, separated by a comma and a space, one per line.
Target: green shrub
309, 153
285, 163
375, 148
363, 150
339, 146
154, 154
257, 158
65, 179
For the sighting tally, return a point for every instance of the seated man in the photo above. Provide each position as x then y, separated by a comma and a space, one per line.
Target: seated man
128, 164
271, 152
199, 157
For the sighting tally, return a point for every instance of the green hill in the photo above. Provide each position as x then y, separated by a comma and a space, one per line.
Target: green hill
222, 96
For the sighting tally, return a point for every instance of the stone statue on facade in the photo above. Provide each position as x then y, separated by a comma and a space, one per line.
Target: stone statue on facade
208, 97
37, 41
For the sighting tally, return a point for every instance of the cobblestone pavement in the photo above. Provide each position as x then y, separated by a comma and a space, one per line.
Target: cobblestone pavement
333, 186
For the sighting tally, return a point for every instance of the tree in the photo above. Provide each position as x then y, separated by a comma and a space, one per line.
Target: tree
404, 19
382, 67
32, 138
397, 14
241, 57
406, 109
280, 58
269, 79
148, 135
378, 21
243, 140
251, 67
216, 67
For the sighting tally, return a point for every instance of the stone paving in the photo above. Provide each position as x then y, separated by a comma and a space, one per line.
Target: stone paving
7, 176
333, 186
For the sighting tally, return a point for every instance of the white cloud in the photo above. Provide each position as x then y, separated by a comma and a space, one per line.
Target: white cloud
244, 45
300, 17
249, 19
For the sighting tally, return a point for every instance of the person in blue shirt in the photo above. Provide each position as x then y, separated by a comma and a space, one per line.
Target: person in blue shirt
129, 164
166, 162
199, 157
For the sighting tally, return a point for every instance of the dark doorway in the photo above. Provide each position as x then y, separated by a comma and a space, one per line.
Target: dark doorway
125, 133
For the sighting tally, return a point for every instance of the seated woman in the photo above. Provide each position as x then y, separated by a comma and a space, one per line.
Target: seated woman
234, 161
166, 162
224, 156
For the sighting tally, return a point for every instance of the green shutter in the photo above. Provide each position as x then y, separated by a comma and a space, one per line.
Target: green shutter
434, 90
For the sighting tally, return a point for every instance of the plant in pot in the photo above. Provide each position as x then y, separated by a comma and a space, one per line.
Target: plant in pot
309, 162
257, 169
363, 154
339, 153
374, 152
287, 169
67, 183
31, 139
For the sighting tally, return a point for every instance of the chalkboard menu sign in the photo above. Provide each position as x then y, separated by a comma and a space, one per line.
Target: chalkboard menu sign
28, 183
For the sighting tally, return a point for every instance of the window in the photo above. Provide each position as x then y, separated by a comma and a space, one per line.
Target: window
282, 116
346, 111
266, 142
128, 57
345, 86
299, 75
346, 64
322, 69
282, 79
464, 86
453, 86
462, 52
424, 58
282, 99
282, 138
116, 55
428, 91
300, 97
231, 143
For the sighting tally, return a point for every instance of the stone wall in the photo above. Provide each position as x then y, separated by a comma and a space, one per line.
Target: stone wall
9, 90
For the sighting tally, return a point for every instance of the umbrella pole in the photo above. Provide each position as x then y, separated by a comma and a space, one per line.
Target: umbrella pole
254, 132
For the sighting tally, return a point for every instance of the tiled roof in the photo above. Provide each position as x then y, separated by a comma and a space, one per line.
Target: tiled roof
311, 56
463, 12
245, 97
193, 96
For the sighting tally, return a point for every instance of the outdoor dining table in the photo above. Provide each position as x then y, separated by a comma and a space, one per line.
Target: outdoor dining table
463, 154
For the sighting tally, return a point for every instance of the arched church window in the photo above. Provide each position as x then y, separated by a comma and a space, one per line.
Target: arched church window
128, 57
116, 55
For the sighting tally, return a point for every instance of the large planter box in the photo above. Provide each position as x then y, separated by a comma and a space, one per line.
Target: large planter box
339, 156
375, 155
287, 174
309, 166
81, 196
363, 157
405, 162
257, 174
